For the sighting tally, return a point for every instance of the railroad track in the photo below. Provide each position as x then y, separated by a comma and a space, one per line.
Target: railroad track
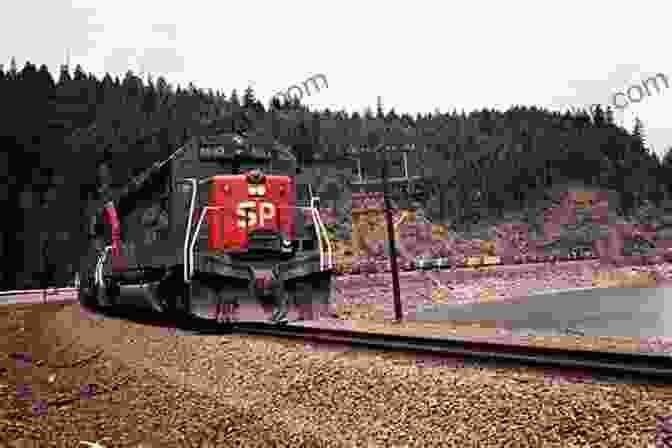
621, 366
630, 366
656, 368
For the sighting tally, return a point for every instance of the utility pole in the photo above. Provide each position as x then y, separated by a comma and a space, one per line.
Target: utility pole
390, 236
47, 270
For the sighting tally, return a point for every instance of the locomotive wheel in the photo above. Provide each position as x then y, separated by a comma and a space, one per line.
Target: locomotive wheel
313, 297
174, 299
207, 297
323, 295
228, 299
177, 302
174, 293
280, 312
87, 293
303, 300
109, 296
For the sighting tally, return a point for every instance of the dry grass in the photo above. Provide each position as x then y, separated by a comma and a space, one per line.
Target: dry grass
625, 279
376, 317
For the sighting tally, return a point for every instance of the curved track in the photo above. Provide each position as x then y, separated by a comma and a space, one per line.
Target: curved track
636, 366
618, 366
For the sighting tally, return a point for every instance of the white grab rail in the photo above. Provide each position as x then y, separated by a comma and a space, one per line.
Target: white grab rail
321, 231
320, 225
192, 203
98, 275
195, 237
189, 243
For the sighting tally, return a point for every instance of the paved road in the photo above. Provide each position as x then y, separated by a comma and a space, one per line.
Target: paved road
637, 312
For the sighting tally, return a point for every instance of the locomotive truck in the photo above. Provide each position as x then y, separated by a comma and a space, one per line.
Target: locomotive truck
218, 227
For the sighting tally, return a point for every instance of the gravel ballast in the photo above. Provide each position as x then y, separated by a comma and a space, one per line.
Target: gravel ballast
156, 387
164, 389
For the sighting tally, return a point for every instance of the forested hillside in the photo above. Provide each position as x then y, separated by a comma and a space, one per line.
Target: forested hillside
54, 133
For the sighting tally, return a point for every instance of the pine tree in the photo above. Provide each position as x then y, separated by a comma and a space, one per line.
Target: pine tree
79, 74
149, 100
162, 86
638, 136
666, 169
64, 76
379, 108
368, 114
234, 99
610, 117
249, 99
13, 69
275, 103
46, 82
391, 115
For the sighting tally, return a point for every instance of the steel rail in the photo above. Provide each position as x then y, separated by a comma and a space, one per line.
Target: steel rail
637, 365
54, 291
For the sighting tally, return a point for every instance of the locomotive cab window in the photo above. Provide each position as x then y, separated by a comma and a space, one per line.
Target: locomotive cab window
183, 189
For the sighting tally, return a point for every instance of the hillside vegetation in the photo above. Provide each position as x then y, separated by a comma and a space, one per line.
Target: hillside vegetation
486, 163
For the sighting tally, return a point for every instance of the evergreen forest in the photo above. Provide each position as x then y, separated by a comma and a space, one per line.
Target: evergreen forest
54, 134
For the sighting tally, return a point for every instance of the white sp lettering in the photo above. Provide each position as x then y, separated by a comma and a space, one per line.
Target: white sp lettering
252, 212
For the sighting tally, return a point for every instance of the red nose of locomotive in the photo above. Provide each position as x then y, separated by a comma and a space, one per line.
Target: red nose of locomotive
254, 212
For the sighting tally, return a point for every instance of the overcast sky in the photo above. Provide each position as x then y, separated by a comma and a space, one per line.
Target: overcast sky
419, 56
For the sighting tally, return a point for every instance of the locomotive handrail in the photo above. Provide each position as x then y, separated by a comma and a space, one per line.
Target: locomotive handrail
195, 237
319, 226
322, 229
319, 229
194, 186
191, 238
98, 275
327, 239
330, 254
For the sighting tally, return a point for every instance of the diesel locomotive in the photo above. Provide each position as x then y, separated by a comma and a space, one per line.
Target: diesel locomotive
217, 230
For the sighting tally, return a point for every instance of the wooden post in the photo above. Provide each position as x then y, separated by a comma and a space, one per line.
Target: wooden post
393, 250
46, 268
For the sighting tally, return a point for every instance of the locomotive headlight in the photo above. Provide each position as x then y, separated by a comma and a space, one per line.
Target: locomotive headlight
256, 190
